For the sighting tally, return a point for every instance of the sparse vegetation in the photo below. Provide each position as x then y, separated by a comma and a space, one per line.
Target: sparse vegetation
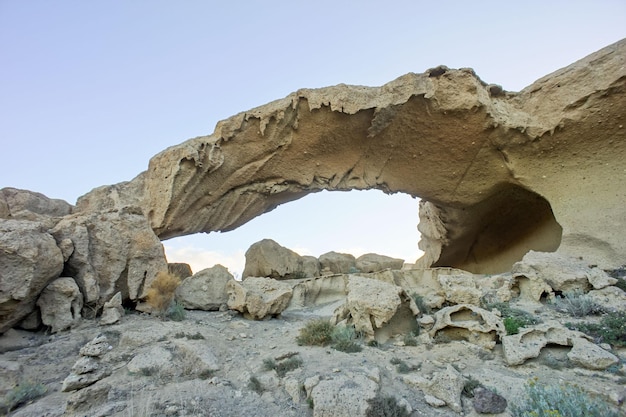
385, 406
611, 329
577, 304
344, 339
161, 292
176, 312
513, 318
420, 303
321, 332
470, 385
255, 385
551, 400
620, 275
282, 367
410, 339
316, 333
402, 367
22, 394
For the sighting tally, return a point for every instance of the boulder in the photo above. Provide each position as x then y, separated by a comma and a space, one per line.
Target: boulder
89, 368
610, 298
19, 204
445, 385
338, 263
113, 310
345, 394
468, 322
258, 297
29, 260
113, 251
205, 290
60, 304
488, 402
371, 262
373, 304
529, 341
460, 289
561, 273
267, 258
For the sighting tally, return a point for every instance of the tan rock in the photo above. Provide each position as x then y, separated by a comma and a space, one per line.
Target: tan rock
372, 262
460, 289
258, 297
60, 304
611, 298
267, 258
181, 270
445, 386
344, 394
205, 290
337, 263
590, 356
372, 305
19, 204
468, 322
29, 260
113, 310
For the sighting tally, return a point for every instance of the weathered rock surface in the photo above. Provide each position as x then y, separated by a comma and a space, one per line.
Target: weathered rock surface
371, 304
520, 161
470, 323
337, 263
205, 290
372, 262
343, 395
29, 260
113, 251
60, 304
488, 402
445, 385
561, 273
269, 259
113, 310
89, 367
258, 297
528, 343
19, 204
181, 270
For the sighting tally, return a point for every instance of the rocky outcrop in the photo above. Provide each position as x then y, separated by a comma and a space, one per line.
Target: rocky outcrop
60, 304
258, 297
372, 262
344, 394
495, 169
19, 204
269, 259
337, 263
468, 322
89, 368
113, 310
112, 251
205, 290
29, 260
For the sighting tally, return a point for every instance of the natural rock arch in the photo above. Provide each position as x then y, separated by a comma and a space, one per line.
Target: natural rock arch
493, 166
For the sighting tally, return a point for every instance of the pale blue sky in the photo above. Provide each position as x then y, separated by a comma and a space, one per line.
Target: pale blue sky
90, 90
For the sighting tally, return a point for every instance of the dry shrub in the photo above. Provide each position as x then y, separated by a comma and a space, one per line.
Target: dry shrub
161, 292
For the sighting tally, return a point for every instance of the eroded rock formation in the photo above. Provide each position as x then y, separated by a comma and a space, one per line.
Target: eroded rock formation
499, 172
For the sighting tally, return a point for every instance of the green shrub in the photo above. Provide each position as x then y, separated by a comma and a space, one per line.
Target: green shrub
513, 318
385, 406
343, 338
611, 329
560, 401
255, 385
176, 312
470, 385
282, 367
420, 303
22, 394
402, 367
316, 333
577, 304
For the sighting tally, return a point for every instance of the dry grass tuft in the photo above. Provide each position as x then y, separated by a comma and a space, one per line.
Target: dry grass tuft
161, 292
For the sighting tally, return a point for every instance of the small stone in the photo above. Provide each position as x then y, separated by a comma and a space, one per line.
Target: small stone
434, 401
488, 402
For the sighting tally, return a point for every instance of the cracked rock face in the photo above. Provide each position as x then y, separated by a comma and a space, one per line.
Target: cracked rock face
499, 173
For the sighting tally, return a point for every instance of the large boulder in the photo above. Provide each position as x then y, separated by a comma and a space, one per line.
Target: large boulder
338, 263
258, 297
468, 322
19, 204
344, 394
372, 262
561, 273
372, 304
29, 260
267, 258
205, 290
114, 251
60, 304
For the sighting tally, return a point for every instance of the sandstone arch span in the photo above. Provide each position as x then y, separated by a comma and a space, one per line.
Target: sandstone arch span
501, 172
